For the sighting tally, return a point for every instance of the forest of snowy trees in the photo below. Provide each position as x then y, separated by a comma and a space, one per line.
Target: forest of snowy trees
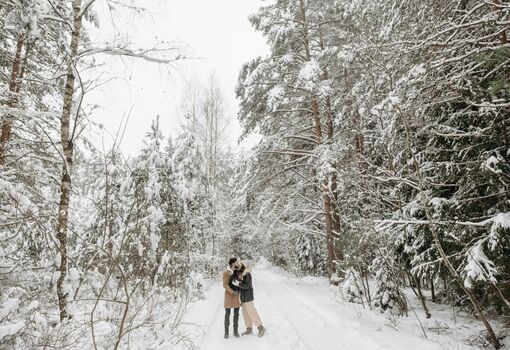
383, 164
385, 150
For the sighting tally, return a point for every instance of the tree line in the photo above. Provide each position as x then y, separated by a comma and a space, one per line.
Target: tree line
385, 149
96, 245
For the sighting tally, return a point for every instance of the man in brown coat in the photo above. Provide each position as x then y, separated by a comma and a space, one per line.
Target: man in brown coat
231, 299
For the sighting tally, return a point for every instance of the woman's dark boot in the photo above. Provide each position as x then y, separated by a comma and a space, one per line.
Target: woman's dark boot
262, 331
248, 331
236, 322
227, 322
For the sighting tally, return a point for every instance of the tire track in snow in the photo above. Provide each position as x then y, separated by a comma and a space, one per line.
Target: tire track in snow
280, 322
304, 302
319, 321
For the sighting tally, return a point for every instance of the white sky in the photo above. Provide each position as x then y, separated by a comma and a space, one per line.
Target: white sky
217, 31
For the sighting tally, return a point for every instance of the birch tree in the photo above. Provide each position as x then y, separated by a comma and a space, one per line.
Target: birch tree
69, 126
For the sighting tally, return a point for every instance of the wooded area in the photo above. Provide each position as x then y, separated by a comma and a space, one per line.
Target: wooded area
383, 163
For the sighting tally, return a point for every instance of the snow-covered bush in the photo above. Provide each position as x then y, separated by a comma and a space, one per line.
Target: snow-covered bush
351, 287
388, 293
310, 254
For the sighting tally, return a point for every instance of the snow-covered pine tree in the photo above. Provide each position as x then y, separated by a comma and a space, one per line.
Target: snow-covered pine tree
147, 176
287, 96
189, 182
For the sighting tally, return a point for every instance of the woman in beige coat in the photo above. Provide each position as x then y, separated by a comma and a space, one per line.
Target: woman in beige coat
231, 299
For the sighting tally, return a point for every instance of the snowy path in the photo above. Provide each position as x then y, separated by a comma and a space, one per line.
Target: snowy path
300, 315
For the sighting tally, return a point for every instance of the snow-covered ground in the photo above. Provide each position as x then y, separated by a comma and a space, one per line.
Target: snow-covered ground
306, 314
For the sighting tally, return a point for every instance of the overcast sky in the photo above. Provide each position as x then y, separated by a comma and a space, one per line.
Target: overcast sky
217, 32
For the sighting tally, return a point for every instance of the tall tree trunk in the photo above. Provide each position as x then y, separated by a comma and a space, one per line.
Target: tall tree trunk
326, 198
497, 6
333, 190
330, 140
14, 84
67, 150
432, 290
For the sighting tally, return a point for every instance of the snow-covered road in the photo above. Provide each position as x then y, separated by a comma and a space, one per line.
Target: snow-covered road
301, 314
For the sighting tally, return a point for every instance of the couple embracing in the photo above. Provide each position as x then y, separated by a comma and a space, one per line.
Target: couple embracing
237, 282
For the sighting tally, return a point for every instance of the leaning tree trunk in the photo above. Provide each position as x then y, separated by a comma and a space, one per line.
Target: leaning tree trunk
17, 68
67, 151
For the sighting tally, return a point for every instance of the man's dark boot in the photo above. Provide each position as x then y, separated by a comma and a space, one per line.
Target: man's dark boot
227, 322
262, 331
236, 322
248, 331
